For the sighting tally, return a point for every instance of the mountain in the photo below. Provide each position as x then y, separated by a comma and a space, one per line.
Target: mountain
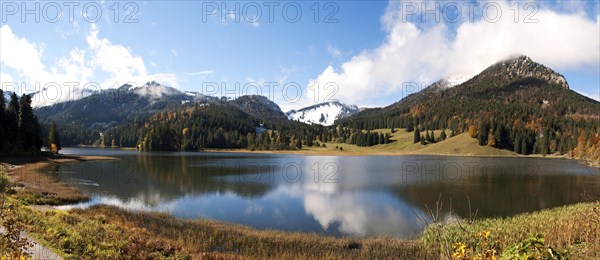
513, 82
260, 107
323, 113
113, 106
153, 91
515, 104
81, 120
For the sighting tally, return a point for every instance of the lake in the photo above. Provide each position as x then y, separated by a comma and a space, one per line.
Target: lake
332, 195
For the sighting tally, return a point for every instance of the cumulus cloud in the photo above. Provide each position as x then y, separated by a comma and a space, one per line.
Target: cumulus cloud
101, 64
413, 52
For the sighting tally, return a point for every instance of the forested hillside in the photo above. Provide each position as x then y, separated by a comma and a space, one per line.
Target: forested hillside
516, 104
225, 125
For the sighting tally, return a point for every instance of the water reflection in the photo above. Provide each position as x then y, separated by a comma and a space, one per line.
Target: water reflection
362, 196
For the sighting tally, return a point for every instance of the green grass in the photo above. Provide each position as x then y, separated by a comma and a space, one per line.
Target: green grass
571, 231
463, 144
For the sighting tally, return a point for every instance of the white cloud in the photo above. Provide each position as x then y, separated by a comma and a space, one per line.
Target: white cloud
81, 66
333, 51
6, 77
19, 54
201, 73
413, 54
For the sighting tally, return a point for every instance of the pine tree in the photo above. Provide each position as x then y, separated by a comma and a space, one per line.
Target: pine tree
3, 123
417, 135
428, 137
443, 135
31, 136
517, 143
524, 149
310, 141
499, 136
54, 139
482, 135
12, 126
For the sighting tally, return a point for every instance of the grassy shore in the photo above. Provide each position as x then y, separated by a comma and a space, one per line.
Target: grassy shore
107, 232
571, 232
36, 182
402, 144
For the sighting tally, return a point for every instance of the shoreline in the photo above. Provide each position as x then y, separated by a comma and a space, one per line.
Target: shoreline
37, 186
159, 234
336, 152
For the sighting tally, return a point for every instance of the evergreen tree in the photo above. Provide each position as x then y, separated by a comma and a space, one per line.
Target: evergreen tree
443, 135
12, 126
499, 136
28, 126
299, 144
54, 139
524, 148
482, 135
417, 135
3, 123
517, 142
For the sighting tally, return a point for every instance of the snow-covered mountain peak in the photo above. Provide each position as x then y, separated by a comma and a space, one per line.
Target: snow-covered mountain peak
455, 79
154, 90
323, 113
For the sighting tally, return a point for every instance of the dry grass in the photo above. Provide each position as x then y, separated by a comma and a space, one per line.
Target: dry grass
201, 237
107, 232
37, 183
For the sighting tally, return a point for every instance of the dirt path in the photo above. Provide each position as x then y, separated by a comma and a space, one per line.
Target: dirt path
37, 250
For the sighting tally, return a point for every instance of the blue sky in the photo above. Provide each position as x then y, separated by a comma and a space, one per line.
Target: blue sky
371, 54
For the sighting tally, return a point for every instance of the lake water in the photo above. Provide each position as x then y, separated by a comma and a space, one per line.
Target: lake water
332, 195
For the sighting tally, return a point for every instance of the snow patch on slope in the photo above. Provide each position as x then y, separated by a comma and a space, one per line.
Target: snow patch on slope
455, 80
323, 113
154, 90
